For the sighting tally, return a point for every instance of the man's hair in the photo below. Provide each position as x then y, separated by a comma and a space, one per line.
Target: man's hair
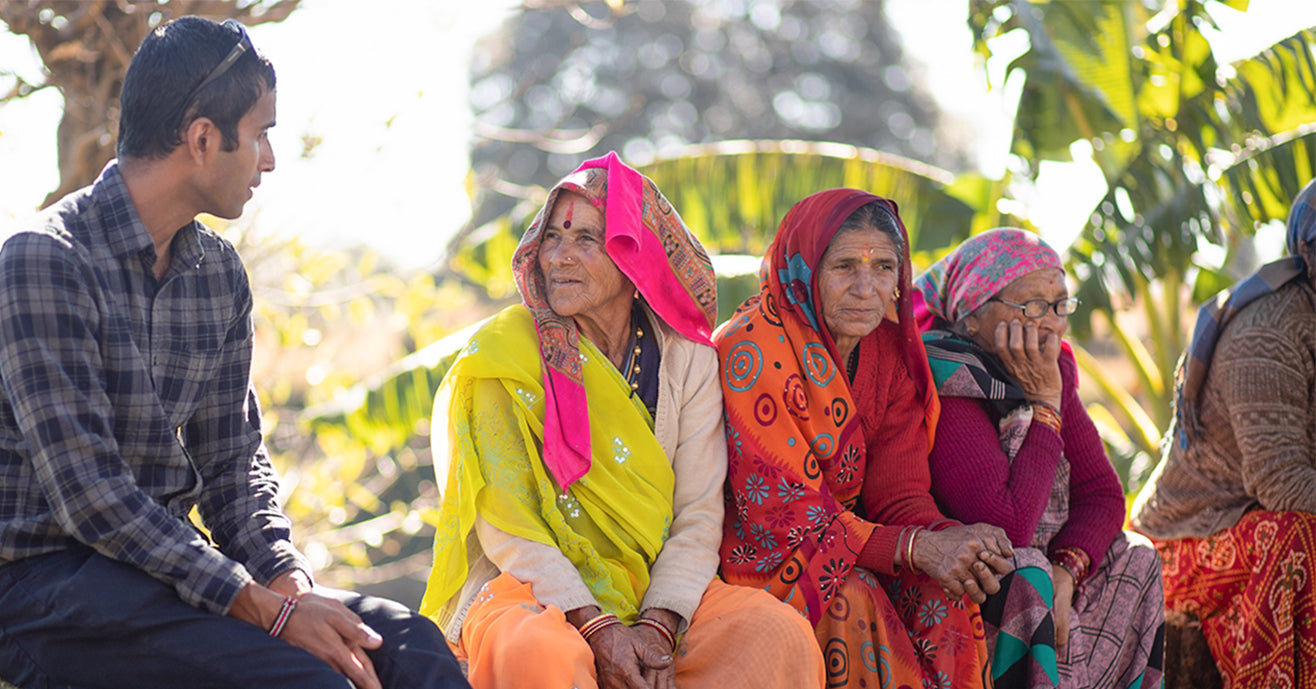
157, 105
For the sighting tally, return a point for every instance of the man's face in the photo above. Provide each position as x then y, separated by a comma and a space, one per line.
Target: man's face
237, 172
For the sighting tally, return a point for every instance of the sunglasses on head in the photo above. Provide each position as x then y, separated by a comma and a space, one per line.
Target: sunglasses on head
242, 47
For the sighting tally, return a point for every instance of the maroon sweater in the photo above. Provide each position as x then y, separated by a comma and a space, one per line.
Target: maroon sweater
974, 481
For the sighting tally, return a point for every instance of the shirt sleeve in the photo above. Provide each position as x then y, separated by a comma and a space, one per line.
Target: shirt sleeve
240, 503
552, 577
1096, 496
897, 481
55, 381
689, 559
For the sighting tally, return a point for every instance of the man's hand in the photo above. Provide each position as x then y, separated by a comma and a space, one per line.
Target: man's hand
293, 583
321, 626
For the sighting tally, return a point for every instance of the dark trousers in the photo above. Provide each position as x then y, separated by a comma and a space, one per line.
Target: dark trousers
79, 620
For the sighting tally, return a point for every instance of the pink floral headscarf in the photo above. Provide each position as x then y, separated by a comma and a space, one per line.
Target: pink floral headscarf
976, 270
652, 247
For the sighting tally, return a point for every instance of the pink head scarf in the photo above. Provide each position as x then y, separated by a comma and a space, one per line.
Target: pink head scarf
976, 270
652, 247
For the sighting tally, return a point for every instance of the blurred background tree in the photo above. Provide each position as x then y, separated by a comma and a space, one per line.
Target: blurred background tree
85, 46
1196, 155
563, 81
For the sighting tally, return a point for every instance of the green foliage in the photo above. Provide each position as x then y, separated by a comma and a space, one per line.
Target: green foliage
733, 194
1195, 154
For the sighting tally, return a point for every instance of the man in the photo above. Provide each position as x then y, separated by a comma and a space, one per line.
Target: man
125, 350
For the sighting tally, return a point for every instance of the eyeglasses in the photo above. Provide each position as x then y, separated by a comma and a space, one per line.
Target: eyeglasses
242, 47
1037, 308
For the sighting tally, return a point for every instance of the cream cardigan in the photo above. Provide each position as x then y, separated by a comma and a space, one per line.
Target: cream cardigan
689, 427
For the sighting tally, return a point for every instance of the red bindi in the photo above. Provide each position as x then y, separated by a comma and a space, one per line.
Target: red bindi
571, 209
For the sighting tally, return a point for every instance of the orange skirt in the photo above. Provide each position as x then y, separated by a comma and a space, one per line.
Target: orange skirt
739, 637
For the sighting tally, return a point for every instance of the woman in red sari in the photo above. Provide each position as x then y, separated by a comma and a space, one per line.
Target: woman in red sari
830, 414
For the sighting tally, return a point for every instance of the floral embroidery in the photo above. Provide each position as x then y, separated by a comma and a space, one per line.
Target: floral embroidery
817, 515
763, 536
926, 650
756, 489
789, 491
770, 562
741, 554
833, 573
932, 612
780, 516
849, 465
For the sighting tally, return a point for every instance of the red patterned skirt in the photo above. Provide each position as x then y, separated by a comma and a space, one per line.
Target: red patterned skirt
1252, 588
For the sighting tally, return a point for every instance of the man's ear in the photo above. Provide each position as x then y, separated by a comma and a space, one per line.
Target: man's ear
201, 139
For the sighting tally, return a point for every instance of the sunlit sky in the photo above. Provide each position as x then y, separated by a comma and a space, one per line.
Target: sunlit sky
385, 90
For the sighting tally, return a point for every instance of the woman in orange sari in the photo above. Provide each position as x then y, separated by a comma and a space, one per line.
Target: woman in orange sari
830, 414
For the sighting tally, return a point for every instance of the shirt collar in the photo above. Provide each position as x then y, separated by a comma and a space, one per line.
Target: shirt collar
126, 234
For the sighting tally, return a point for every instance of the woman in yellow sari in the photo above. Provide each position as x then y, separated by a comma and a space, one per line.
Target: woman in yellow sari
584, 461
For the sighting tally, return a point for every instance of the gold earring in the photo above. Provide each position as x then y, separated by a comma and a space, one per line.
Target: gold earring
971, 331
896, 293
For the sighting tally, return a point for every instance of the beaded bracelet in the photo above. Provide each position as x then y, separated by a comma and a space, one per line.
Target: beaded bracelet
667, 634
285, 613
1046, 414
592, 627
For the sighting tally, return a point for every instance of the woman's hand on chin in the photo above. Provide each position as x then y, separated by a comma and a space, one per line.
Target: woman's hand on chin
1031, 359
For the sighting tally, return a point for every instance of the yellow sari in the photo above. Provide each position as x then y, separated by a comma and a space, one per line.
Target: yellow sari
611, 524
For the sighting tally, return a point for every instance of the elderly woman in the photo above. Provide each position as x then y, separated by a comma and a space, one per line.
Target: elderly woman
1016, 448
1232, 506
830, 411
578, 532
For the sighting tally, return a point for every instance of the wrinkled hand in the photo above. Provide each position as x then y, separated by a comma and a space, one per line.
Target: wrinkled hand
1033, 363
1064, 602
964, 559
329, 631
625, 658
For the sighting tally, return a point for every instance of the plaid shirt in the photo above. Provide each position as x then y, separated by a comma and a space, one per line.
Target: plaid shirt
127, 401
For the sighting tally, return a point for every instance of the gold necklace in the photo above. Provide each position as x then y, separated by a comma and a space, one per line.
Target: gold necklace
632, 366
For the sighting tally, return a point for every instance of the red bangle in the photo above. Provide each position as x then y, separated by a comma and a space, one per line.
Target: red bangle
667, 634
592, 627
1047, 415
1074, 560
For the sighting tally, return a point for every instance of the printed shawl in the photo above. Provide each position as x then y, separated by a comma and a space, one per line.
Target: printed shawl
653, 248
794, 431
1216, 313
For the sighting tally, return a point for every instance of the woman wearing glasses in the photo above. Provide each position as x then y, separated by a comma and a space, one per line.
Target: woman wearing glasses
1015, 448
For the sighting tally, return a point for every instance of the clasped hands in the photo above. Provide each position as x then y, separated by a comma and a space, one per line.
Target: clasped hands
320, 625
965, 560
631, 657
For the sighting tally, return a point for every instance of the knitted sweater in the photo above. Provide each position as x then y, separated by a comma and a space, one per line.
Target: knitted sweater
974, 481
1258, 413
